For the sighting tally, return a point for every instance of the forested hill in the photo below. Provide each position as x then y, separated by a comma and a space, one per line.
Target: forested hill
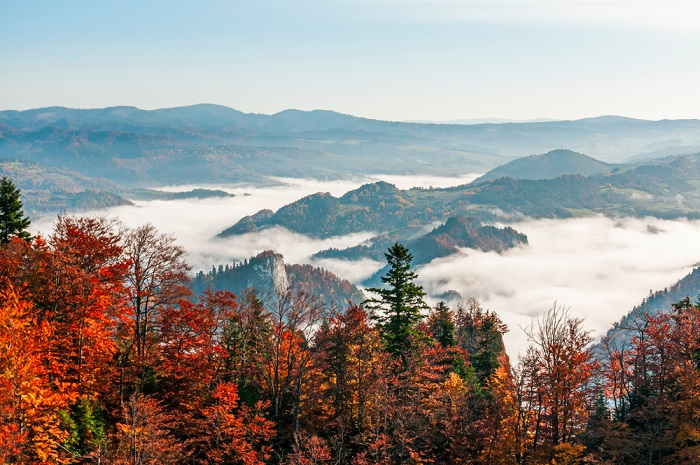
267, 274
657, 302
210, 143
548, 166
48, 188
668, 188
444, 240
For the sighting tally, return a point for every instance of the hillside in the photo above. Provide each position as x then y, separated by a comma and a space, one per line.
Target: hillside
211, 143
444, 240
548, 166
267, 272
668, 188
47, 188
660, 301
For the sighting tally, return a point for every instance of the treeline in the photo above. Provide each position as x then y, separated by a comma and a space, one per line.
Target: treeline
107, 357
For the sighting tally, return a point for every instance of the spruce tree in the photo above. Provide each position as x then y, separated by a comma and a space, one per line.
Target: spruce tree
398, 307
12, 219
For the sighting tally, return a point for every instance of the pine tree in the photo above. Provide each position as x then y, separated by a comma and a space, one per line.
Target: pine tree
398, 308
12, 219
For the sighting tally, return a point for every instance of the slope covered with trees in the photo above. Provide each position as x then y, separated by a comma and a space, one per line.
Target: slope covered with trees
549, 165
668, 188
267, 272
444, 240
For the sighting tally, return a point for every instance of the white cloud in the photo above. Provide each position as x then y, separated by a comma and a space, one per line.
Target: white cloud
599, 267
355, 271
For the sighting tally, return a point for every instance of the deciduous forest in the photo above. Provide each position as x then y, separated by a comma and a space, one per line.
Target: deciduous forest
107, 357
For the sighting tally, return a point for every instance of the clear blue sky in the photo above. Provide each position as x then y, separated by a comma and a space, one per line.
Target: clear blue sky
385, 59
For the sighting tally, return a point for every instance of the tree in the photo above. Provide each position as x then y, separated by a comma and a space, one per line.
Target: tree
398, 308
552, 386
144, 435
156, 279
30, 430
286, 356
235, 433
442, 326
350, 366
12, 219
87, 271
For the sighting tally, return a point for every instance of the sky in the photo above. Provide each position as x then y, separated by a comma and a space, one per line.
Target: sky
597, 267
435, 60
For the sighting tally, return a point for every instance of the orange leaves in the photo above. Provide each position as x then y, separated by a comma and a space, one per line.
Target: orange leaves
144, 435
29, 401
234, 432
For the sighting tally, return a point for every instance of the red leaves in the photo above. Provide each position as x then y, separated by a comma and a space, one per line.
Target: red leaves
144, 434
235, 433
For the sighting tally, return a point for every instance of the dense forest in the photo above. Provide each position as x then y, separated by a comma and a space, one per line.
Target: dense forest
107, 356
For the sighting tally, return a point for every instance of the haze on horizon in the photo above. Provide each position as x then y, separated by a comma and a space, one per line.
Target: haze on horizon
434, 60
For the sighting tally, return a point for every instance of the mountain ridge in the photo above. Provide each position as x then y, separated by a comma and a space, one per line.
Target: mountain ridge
549, 165
214, 143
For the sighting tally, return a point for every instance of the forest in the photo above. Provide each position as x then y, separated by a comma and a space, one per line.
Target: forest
108, 357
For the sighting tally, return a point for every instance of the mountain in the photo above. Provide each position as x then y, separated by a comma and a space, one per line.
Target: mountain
268, 273
446, 239
661, 301
152, 194
668, 188
212, 143
48, 188
548, 166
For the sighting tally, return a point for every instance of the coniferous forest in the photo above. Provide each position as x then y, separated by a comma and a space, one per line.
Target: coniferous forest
107, 357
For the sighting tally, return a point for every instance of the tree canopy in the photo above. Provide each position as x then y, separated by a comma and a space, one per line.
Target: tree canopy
13, 222
398, 307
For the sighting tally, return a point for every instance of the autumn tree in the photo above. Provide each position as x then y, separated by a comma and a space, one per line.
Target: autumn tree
143, 435
157, 277
552, 386
652, 384
398, 306
349, 392
87, 270
13, 222
190, 359
285, 359
30, 403
234, 432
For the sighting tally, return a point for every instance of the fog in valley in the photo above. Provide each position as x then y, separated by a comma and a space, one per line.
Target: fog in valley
599, 267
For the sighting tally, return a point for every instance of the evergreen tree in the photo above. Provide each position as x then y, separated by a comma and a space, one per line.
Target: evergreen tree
398, 307
12, 219
442, 326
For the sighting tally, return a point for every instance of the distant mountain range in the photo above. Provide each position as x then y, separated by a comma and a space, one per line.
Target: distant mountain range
666, 188
210, 143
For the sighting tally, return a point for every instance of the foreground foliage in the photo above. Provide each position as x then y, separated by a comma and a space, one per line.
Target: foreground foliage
107, 357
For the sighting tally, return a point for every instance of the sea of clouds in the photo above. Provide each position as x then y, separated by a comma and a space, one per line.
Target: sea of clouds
598, 267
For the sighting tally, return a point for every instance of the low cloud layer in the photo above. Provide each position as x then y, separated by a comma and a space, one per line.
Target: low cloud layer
598, 267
